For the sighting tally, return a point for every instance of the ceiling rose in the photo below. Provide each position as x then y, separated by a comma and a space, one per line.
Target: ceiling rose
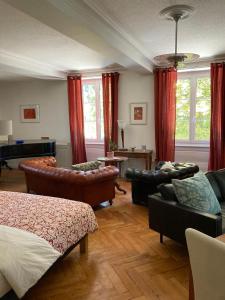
176, 13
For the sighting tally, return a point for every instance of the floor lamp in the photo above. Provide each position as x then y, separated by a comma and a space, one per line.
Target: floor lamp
122, 124
6, 129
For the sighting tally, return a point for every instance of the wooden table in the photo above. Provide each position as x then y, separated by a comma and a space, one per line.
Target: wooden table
145, 154
191, 284
115, 161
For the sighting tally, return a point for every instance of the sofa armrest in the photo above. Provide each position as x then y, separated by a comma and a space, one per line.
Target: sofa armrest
171, 219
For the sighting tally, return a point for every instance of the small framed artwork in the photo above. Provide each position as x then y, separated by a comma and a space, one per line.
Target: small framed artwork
30, 113
138, 113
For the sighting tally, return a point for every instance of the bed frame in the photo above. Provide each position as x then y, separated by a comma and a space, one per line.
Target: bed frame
83, 247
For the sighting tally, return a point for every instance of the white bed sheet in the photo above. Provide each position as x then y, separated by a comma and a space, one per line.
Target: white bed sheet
26, 258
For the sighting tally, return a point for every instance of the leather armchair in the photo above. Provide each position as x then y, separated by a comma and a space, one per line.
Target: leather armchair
144, 182
93, 187
170, 218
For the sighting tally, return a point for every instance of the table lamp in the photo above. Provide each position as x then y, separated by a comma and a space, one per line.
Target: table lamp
6, 129
122, 124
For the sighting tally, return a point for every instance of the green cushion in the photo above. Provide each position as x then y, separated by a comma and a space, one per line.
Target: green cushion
197, 192
90, 165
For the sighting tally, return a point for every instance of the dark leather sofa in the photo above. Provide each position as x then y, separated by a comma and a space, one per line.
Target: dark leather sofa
144, 182
170, 218
92, 187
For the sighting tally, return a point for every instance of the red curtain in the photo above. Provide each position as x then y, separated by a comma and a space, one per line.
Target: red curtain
76, 119
110, 107
217, 131
165, 113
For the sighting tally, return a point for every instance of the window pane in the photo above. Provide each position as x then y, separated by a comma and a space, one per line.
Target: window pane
93, 109
183, 89
202, 127
101, 112
90, 130
89, 103
203, 87
183, 109
202, 116
182, 129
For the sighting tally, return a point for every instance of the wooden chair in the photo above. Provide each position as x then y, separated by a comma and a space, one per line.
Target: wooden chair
207, 259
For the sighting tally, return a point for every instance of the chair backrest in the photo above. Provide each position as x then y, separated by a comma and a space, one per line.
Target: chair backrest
207, 258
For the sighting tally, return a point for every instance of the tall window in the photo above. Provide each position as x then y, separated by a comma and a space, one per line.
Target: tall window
93, 110
193, 108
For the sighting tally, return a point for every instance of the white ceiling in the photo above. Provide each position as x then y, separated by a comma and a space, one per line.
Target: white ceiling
49, 38
202, 33
24, 38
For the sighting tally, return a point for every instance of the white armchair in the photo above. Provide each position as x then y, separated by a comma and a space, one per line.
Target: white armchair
207, 259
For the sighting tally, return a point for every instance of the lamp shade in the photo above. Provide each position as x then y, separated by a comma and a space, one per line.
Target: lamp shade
5, 127
121, 124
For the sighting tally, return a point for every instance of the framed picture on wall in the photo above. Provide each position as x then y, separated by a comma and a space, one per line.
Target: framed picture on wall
138, 113
30, 113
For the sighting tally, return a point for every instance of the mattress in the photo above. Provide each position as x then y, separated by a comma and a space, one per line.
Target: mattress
61, 222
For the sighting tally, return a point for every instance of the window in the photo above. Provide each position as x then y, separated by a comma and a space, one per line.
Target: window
93, 110
193, 108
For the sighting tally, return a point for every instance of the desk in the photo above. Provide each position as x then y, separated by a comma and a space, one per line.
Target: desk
145, 154
191, 284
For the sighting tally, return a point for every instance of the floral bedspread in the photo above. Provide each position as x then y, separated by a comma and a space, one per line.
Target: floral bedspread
59, 221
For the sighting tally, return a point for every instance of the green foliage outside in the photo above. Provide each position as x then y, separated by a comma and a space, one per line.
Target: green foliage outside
89, 107
201, 118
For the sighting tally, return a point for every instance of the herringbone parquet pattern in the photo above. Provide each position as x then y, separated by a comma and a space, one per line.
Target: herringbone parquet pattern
125, 259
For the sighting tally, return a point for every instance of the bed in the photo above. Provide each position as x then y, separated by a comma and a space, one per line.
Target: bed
35, 231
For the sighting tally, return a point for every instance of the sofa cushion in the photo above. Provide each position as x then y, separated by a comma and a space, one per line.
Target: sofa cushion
220, 178
90, 165
223, 215
214, 184
167, 166
197, 192
167, 191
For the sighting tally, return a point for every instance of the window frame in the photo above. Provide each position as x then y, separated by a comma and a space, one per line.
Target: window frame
192, 76
97, 81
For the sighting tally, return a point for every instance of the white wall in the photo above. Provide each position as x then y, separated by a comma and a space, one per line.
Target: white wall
52, 98
135, 88
197, 155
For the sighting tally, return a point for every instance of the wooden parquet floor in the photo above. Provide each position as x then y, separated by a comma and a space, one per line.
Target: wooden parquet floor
125, 259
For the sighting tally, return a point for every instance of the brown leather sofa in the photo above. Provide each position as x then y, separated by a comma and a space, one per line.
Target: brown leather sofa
92, 187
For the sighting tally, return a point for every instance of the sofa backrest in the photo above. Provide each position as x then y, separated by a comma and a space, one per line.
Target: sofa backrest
44, 178
217, 181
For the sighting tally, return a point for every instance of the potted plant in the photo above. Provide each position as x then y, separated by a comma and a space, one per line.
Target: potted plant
112, 147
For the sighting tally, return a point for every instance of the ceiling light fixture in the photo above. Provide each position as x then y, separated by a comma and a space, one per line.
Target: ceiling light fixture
176, 13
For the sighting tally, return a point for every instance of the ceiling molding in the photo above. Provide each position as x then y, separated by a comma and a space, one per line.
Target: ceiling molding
118, 28
24, 65
98, 72
76, 20
113, 36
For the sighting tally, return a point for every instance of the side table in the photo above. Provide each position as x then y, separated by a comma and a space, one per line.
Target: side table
115, 161
144, 154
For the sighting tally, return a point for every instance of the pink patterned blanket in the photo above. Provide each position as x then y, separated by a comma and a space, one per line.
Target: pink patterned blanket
59, 221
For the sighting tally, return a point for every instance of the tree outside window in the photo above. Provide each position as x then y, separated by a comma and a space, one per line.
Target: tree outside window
193, 108
93, 110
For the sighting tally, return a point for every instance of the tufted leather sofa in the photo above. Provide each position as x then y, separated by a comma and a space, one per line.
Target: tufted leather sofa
92, 187
145, 182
